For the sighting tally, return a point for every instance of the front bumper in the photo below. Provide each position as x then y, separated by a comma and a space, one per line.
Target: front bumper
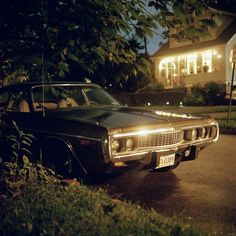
150, 160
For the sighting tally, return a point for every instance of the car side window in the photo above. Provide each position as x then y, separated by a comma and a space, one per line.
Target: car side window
53, 97
18, 102
99, 96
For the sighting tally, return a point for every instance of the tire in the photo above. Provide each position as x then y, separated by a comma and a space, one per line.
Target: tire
56, 155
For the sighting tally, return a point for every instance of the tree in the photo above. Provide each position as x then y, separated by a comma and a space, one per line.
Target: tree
190, 18
99, 39
68, 34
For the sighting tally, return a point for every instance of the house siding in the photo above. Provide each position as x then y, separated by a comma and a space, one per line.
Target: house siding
228, 71
187, 63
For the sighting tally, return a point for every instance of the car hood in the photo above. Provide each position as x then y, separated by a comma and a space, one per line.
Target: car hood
118, 117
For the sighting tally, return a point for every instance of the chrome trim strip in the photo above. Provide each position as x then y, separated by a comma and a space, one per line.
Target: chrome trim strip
65, 84
200, 126
131, 155
174, 149
159, 130
62, 134
144, 132
164, 148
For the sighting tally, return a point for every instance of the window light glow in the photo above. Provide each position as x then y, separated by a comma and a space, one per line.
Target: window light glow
192, 63
207, 60
172, 68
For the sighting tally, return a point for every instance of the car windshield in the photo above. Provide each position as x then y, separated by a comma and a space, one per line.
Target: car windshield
64, 96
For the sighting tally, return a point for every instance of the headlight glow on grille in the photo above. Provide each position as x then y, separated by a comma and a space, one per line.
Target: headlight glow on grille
191, 134
213, 132
129, 144
115, 145
204, 132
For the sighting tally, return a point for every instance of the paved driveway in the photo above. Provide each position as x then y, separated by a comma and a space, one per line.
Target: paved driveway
202, 191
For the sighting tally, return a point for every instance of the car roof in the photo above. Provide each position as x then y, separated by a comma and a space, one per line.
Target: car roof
28, 85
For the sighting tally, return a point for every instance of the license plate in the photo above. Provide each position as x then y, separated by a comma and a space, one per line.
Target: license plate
167, 160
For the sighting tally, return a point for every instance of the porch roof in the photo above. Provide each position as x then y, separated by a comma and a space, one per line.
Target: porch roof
223, 38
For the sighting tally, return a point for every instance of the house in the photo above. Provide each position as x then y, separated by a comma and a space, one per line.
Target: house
209, 59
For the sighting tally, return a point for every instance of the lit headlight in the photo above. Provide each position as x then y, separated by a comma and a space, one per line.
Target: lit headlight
115, 145
191, 134
213, 132
194, 134
129, 144
203, 132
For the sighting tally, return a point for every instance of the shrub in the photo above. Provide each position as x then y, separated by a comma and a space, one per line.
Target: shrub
16, 170
157, 98
151, 87
197, 89
213, 93
193, 100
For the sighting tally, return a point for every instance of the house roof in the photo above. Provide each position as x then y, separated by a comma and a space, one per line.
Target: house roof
227, 7
223, 38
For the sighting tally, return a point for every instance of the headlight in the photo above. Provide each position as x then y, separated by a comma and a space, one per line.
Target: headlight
213, 132
191, 134
194, 134
129, 144
203, 132
115, 145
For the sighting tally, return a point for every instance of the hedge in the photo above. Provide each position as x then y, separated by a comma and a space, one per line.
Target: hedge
157, 98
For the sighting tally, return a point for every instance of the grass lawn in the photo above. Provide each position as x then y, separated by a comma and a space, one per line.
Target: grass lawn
78, 210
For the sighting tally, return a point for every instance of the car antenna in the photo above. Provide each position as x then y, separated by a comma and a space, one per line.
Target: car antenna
43, 74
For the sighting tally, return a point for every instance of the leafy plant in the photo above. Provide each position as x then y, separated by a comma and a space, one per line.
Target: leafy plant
88, 38
151, 87
16, 169
213, 93
194, 100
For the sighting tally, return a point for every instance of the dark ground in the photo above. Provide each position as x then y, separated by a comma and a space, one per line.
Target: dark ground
201, 191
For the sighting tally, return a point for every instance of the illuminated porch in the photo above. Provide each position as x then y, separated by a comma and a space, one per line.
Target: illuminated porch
192, 68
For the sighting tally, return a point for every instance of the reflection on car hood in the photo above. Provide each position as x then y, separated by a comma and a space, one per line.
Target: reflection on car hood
115, 117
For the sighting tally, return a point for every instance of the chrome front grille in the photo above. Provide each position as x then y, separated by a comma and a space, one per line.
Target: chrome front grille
156, 140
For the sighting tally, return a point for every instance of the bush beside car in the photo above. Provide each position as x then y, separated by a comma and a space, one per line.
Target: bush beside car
212, 93
157, 98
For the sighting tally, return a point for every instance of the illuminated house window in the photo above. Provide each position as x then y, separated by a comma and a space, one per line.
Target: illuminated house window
231, 59
174, 70
182, 65
231, 56
168, 70
192, 64
207, 61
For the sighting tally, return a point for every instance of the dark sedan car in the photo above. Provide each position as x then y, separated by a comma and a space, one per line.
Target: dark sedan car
81, 130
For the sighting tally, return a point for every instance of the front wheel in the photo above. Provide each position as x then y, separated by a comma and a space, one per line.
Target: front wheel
56, 157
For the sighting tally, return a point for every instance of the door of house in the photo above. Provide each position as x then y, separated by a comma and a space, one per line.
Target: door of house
172, 77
